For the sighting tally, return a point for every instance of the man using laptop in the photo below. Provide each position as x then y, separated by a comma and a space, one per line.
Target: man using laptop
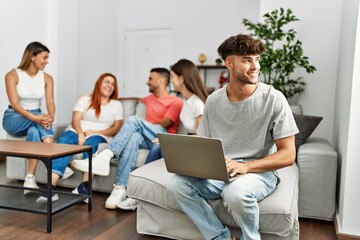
251, 118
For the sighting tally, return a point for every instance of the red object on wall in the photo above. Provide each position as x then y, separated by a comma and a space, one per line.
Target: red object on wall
223, 78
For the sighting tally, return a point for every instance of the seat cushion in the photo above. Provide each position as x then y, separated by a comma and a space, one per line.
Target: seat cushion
129, 106
277, 212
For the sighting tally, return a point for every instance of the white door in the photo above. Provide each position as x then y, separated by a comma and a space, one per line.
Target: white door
145, 49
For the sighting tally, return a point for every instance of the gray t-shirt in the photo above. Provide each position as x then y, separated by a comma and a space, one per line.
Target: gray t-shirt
248, 128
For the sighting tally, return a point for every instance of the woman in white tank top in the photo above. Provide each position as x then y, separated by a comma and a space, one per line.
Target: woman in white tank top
25, 87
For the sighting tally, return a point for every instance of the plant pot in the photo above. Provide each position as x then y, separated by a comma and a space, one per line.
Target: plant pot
294, 100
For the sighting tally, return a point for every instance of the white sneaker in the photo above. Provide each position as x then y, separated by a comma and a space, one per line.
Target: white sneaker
117, 195
100, 163
128, 204
30, 183
68, 173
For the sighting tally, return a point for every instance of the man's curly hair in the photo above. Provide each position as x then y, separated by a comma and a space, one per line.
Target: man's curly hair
241, 44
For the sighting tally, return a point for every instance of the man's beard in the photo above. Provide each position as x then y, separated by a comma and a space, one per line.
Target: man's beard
151, 90
245, 79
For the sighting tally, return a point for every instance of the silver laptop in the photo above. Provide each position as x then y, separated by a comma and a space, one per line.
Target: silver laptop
194, 156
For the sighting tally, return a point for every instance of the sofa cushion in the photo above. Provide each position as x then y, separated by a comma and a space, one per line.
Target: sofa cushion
306, 125
277, 212
296, 109
140, 110
129, 106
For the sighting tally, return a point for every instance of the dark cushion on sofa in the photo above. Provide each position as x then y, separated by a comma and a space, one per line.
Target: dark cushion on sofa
306, 125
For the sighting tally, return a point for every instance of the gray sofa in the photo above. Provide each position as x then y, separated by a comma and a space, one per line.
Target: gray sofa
307, 190
16, 167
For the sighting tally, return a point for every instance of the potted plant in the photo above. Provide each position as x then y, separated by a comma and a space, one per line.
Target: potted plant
283, 53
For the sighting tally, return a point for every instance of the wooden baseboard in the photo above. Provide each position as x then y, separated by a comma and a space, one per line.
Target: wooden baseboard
343, 236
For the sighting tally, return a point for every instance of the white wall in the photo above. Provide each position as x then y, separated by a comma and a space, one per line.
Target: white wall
21, 22
319, 33
320, 36
66, 38
347, 118
98, 41
54, 23
199, 28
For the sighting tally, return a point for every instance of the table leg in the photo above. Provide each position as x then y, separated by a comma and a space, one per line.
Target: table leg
90, 181
49, 193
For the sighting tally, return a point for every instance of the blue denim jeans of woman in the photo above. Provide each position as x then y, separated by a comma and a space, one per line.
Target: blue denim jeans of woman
136, 133
240, 198
19, 126
155, 153
70, 137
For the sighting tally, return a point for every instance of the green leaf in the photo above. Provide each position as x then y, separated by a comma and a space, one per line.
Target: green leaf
283, 54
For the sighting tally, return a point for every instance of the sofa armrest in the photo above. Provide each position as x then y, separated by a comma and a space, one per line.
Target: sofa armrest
59, 129
317, 162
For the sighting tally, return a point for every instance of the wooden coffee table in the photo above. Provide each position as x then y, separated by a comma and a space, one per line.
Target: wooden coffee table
12, 197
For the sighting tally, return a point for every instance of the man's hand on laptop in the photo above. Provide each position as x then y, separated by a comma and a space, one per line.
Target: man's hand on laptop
234, 167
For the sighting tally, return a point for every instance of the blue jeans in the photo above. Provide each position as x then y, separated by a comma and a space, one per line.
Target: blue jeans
136, 133
70, 137
18, 126
155, 153
240, 198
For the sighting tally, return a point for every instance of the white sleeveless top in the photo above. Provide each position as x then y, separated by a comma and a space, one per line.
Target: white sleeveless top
30, 90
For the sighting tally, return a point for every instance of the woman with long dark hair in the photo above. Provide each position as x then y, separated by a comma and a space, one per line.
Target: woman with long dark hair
186, 80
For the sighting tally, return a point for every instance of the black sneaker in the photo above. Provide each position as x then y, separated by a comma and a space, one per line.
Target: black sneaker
43, 195
83, 188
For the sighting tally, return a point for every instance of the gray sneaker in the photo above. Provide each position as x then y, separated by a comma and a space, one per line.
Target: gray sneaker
128, 204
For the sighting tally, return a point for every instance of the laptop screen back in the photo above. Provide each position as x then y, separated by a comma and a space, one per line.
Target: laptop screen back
194, 156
